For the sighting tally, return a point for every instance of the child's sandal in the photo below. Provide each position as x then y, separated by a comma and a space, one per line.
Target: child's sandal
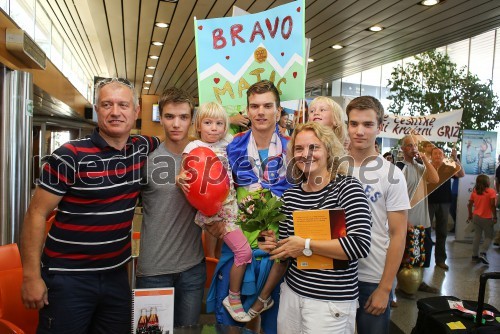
268, 303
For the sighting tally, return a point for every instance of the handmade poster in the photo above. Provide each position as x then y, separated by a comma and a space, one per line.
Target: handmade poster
153, 311
444, 127
232, 53
320, 225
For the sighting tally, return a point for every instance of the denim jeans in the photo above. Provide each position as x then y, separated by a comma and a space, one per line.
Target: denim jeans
86, 303
440, 211
428, 247
368, 323
188, 295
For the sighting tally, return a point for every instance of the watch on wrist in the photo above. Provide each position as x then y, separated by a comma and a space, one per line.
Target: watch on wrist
307, 250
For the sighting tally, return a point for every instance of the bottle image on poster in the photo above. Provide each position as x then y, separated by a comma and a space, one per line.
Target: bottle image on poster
152, 311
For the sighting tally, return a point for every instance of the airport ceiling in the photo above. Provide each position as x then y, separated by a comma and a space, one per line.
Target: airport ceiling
115, 37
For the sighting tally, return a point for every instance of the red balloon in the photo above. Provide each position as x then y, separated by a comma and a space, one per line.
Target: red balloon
208, 180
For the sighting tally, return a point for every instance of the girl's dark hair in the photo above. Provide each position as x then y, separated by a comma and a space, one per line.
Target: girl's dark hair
482, 183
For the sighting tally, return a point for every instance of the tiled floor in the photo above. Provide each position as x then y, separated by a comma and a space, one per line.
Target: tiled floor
461, 280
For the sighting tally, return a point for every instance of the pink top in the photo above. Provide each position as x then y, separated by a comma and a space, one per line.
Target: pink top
482, 203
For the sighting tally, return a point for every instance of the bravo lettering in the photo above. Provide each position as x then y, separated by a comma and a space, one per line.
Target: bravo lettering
237, 32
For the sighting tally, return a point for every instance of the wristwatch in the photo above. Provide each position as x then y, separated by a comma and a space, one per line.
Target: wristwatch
307, 251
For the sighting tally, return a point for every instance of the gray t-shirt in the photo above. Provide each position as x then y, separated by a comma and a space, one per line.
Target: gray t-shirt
170, 240
419, 213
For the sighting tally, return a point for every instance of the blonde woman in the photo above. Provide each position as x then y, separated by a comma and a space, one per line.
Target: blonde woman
319, 301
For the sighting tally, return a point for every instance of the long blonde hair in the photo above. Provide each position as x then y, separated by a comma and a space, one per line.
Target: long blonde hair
209, 110
334, 149
339, 129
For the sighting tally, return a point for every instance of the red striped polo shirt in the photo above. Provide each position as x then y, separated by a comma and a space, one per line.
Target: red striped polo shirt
99, 186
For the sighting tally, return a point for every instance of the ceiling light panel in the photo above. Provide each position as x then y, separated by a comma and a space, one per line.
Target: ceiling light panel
376, 28
429, 2
337, 47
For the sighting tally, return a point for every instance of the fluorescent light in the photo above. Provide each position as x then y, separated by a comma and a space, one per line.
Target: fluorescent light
147, 82
154, 57
157, 43
429, 2
151, 67
149, 75
337, 46
161, 24
146, 88
310, 60
375, 28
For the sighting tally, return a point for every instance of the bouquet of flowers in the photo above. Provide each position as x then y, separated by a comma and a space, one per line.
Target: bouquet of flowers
259, 211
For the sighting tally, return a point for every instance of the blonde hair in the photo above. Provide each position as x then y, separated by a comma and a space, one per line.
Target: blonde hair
340, 128
209, 110
334, 149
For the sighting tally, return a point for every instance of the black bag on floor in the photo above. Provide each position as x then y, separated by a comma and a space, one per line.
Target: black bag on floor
434, 313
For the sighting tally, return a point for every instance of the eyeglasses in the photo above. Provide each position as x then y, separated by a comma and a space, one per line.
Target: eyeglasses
104, 82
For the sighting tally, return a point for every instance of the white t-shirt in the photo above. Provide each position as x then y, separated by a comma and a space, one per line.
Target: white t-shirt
385, 189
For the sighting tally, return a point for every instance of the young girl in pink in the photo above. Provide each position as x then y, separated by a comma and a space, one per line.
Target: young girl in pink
211, 125
484, 216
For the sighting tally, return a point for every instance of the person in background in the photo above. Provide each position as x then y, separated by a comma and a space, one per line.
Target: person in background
389, 157
496, 242
440, 199
311, 300
81, 284
385, 188
171, 252
283, 123
414, 173
238, 120
257, 158
454, 194
211, 125
427, 147
484, 216
377, 147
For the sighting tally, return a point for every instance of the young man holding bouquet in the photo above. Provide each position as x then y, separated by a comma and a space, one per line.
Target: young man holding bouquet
257, 158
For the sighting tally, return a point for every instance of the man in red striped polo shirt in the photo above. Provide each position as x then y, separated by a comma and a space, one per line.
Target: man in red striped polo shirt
81, 285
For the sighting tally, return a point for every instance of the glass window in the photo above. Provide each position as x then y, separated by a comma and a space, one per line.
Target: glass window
409, 60
4, 4
43, 27
56, 50
67, 58
459, 53
496, 67
337, 87
370, 82
23, 13
386, 76
351, 85
481, 55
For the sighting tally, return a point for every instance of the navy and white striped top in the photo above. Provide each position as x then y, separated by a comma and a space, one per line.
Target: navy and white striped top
330, 284
99, 186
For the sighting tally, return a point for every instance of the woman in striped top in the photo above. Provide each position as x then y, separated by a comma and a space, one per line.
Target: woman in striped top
320, 301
